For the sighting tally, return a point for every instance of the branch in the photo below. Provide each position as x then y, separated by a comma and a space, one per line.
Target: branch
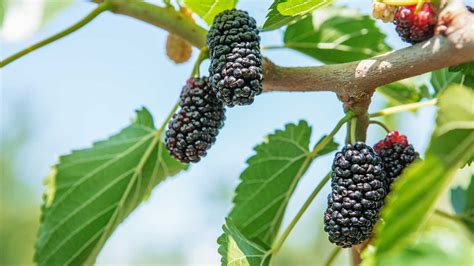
354, 82
98, 10
164, 17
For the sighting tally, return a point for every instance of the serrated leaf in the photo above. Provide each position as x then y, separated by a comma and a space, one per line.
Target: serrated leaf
283, 12
93, 190
401, 92
268, 182
407, 208
336, 35
237, 250
208, 9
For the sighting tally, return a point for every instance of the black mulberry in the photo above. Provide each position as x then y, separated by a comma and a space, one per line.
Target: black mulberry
193, 129
396, 154
415, 27
358, 191
236, 72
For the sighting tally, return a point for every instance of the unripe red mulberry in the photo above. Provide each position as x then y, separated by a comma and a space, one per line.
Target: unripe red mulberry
396, 154
415, 27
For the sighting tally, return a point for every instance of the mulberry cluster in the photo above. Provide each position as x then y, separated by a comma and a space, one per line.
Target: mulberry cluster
193, 129
236, 72
358, 191
415, 27
396, 154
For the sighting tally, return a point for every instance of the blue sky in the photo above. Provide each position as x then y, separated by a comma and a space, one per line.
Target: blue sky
85, 87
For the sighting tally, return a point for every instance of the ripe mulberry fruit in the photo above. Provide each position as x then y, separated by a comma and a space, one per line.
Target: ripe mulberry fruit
414, 28
396, 154
193, 129
358, 191
236, 72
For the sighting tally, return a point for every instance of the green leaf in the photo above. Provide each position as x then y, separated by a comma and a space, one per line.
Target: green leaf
415, 193
237, 250
441, 79
458, 199
466, 68
53, 8
91, 191
283, 12
401, 92
208, 9
463, 203
435, 247
330, 147
336, 35
268, 182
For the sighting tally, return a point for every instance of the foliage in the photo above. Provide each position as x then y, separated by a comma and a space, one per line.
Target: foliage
283, 12
91, 191
450, 147
336, 35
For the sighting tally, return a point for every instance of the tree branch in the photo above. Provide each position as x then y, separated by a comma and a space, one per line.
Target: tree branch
354, 82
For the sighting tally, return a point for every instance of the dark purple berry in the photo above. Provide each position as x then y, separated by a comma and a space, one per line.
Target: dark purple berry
193, 129
358, 189
236, 72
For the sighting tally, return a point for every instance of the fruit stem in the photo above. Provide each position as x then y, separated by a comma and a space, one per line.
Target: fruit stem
419, 5
321, 145
403, 108
447, 216
300, 213
203, 54
381, 124
98, 10
353, 130
333, 256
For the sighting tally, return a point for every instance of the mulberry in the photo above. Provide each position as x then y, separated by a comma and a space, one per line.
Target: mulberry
193, 129
396, 154
236, 72
415, 27
358, 191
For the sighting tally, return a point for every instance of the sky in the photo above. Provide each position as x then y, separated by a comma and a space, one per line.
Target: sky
86, 87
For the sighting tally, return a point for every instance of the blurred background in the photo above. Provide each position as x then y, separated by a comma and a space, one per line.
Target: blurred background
86, 86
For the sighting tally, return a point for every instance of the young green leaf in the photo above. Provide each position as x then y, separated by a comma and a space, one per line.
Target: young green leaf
237, 250
208, 9
466, 68
91, 191
336, 35
401, 92
415, 192
283, 12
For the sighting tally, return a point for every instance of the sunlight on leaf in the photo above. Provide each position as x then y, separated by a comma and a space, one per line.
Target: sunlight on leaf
208, 9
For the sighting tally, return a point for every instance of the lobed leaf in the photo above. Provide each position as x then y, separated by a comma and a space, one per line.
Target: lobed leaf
91, 191
336, 35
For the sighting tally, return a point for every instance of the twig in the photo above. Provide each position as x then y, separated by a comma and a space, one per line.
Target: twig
403, 108
333, 256
300, 213
382, 125
98, 10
